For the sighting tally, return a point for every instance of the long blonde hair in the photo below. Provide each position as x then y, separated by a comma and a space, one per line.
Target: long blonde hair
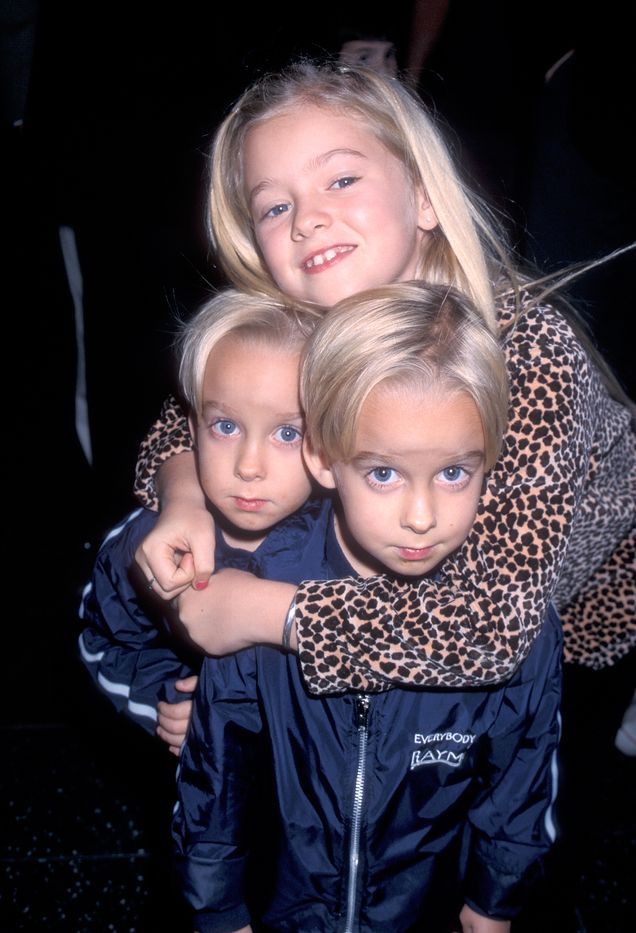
468, 249
463, 252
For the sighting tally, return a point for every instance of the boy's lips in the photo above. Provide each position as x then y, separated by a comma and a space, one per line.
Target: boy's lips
249, 505
324, 259
414, 553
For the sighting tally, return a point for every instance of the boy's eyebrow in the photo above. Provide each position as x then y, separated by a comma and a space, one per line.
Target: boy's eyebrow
319, 160
224, 408
456, 456
290, 416
213, 403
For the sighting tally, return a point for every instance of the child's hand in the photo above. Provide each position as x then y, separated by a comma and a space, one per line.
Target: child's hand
473, 922
179, 551
174, 718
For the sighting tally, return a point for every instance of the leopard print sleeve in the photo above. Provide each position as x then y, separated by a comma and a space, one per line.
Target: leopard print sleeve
567, 467
599, 625
169, 435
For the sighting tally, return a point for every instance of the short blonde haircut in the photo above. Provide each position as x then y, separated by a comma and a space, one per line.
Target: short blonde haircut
466, 249
253, 318
412, 334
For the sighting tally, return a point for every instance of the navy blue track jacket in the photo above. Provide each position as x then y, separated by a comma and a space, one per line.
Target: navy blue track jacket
390, 810
126, 644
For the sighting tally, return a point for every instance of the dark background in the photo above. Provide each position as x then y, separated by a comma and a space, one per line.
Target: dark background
107, 111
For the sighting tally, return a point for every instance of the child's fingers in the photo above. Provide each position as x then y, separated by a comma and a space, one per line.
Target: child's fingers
187, 684
202, 561
173, 720
172, 739
165, 577
170, 713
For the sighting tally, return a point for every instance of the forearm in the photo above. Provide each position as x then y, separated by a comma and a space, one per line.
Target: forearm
134, 680
168, 436
477, 622
236, 610
177, 481
126, 645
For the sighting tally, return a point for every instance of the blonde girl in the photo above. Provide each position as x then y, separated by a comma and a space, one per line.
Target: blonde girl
326, 181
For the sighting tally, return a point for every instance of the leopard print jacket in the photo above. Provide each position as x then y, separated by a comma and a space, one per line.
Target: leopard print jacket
556, 522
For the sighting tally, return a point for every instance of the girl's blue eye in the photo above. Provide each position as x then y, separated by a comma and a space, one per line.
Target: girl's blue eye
277, 210
345, 182
225, 427
453, 474
288, 434
382, 475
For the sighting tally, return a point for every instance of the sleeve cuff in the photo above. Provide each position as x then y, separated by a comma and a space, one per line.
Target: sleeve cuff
222, 921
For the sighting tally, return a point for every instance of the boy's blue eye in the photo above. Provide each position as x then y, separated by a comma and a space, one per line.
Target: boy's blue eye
225, 427
453, 474
288, 434
382, 475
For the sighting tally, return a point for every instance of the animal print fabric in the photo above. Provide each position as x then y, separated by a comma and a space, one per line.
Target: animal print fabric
555, 523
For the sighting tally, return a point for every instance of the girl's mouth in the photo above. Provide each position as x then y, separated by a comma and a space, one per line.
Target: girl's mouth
323, 260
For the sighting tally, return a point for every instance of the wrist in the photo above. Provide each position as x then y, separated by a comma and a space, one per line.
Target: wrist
289, 628
271, 602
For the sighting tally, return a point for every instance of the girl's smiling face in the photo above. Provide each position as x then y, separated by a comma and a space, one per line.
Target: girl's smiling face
334, 211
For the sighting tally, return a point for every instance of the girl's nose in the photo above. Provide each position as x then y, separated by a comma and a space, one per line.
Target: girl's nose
309, 217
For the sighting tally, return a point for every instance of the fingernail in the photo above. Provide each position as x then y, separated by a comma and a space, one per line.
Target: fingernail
200, 584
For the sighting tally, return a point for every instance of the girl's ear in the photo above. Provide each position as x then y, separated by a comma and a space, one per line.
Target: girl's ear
427, 218
317, 465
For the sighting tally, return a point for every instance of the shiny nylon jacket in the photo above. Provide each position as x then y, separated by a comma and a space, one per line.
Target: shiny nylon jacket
376, 812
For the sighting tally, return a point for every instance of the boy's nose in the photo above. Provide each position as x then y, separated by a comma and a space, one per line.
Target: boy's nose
250, 464
418, 513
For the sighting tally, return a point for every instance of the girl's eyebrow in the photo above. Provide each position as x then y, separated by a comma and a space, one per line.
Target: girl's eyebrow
316, 161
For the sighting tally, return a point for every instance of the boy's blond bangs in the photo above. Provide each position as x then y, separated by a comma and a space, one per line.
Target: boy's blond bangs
407, 334
252, 318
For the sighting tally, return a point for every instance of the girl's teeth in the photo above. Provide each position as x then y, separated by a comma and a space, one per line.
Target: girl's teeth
321, 258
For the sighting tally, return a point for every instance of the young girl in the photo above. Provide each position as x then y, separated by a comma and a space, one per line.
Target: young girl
327, 181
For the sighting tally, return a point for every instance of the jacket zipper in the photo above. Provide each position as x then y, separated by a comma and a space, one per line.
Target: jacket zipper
362, 718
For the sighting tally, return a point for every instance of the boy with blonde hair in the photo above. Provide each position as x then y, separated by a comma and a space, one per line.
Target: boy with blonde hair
239, 358
406, 810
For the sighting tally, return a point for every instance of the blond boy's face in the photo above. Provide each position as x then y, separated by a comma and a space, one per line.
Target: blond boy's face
410, 493
249, 438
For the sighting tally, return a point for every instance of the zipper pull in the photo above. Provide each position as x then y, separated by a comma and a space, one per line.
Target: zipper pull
362, 711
